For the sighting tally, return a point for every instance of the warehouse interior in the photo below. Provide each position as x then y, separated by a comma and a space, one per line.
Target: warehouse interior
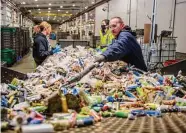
64, 68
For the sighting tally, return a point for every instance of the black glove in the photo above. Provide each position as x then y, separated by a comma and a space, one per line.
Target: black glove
99, 58
104, 46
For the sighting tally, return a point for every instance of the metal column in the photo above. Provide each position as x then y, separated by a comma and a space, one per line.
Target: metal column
81, 24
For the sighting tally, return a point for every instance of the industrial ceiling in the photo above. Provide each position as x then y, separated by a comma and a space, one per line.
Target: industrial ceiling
53, 11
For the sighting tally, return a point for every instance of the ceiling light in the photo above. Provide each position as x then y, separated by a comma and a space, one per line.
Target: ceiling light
93, 2
35, 0
39, 12
48, 11
73, 5
58, 10
49, 8
86, 7
66, 11
37, 5
29, 11
61, 6
23, 3
49, 4
39, 9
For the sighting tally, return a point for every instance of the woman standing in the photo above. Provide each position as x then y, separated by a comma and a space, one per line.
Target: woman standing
41, 44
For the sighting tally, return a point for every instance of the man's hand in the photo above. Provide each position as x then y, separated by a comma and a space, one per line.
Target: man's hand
99, 58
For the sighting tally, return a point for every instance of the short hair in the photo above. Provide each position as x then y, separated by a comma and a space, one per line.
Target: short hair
106, 21
119, 18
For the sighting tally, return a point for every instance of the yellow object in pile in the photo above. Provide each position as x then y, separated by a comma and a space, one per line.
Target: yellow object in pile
64, 104
99, 84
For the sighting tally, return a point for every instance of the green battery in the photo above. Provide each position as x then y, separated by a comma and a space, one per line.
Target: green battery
97, 109
121, 114
39, 108
79, 117
107, 114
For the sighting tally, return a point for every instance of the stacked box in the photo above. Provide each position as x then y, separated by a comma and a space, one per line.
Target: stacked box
17, 39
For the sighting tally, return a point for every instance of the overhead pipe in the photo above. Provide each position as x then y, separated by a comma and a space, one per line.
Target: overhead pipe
108, 10
174, 18
136, 14
90, 8
129, 11
153, 22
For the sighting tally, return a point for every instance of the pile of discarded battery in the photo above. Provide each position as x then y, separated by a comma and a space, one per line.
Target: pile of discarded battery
109, 90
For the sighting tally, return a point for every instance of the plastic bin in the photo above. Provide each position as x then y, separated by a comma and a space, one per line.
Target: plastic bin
8, 56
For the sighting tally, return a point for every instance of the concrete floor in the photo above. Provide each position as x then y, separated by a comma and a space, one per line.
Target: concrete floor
27, 64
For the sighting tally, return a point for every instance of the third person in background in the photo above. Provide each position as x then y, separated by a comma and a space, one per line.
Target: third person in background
106, 36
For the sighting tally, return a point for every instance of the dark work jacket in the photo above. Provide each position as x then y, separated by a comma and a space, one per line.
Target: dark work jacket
126, 48
40, 48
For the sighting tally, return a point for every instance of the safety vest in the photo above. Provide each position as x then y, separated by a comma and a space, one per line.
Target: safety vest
106, 39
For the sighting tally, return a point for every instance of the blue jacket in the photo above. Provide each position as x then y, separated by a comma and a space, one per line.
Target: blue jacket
126, 48
40, 48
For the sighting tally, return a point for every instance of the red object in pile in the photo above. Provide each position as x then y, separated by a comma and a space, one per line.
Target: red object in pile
170, 62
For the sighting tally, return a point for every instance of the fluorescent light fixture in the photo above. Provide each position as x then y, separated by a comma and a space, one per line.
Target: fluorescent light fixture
93, 2
39, 12
49, 8
66, 11
61, 6
39, 9
73, 5
35, 0
49, 4
23, 3
37, 5
58, 10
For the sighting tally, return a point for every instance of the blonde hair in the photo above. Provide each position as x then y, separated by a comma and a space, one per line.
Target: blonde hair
44, 25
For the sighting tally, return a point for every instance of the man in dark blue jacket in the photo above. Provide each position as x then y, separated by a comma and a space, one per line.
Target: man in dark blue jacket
124, 47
